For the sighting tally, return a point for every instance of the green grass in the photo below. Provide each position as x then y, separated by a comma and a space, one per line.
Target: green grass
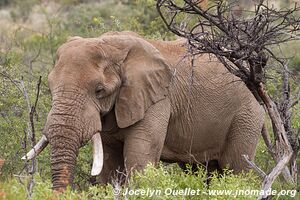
162, 182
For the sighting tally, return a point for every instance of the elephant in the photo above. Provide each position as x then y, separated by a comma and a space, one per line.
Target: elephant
143, 101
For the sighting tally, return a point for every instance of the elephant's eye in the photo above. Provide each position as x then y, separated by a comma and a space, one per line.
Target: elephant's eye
100, 92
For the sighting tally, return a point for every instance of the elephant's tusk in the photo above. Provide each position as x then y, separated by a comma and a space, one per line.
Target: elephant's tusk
97, 155
37, 149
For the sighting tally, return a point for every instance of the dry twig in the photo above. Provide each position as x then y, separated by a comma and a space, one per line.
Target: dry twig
31, 133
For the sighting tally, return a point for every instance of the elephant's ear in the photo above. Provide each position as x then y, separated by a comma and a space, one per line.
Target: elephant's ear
145, 79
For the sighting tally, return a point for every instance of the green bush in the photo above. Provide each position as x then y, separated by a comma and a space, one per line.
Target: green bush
22, 9
163, 182
169, 180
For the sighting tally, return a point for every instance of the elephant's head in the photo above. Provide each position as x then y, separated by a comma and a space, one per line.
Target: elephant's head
118, 72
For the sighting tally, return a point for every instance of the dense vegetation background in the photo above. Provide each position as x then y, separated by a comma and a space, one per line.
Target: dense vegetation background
30, 33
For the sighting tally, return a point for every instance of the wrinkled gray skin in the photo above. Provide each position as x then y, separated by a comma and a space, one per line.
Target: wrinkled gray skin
149, 104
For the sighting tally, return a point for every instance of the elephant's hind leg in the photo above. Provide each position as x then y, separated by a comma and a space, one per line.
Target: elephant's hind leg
242, 140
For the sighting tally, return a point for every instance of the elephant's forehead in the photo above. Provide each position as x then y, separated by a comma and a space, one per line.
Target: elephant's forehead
78, 59
80, 50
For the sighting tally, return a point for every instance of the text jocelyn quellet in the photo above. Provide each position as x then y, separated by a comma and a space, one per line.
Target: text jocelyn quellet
161, 192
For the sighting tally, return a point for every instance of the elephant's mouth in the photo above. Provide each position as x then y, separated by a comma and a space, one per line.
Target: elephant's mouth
97, 152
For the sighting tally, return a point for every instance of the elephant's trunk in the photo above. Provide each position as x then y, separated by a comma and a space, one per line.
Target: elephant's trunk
63, 170
71, 122
65, 128
64, 152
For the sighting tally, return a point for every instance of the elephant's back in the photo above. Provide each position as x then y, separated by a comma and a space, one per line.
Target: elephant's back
208, 83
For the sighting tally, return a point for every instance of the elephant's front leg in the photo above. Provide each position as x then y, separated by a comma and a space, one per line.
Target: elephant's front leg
144, 141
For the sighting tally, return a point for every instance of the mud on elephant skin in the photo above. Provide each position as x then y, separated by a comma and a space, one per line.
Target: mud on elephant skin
141, 101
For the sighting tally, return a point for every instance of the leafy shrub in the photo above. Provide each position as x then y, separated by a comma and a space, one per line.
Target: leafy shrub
168, 179
22, 9
163, 182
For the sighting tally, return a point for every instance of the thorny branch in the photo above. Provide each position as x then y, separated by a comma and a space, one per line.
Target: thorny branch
242, 41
